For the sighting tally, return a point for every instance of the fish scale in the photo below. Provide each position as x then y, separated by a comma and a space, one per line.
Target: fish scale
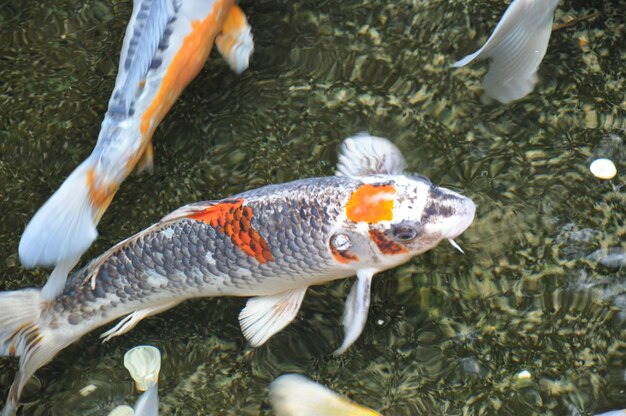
152, 267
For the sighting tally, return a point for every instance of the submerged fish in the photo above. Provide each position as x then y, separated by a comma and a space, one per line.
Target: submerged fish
143, 364
296, 395
517, 47
166, 44
271, 243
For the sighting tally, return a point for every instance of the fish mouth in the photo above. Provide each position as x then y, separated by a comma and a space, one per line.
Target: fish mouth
450, 213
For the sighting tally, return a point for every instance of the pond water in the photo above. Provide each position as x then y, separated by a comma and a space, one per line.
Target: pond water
447, 334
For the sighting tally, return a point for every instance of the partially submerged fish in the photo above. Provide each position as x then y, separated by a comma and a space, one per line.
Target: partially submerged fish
271, 243
166, 44
296, 395
143, 364
517, 47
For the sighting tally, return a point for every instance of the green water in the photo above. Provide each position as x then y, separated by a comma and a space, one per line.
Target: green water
447, 334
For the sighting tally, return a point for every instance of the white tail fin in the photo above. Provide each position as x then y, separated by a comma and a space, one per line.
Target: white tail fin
296, 395
22, 335
64, 227
517, 47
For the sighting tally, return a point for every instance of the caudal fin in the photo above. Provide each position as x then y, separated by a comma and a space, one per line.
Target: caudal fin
517, 47
65, 226
293, 394
235, 43
22, 335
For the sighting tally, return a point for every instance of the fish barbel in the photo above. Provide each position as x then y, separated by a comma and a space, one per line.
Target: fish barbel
166, 44
271, 243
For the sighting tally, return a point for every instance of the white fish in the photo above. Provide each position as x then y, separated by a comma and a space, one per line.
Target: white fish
166, 44
517, 47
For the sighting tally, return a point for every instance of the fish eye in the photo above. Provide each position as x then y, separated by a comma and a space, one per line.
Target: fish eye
405, 232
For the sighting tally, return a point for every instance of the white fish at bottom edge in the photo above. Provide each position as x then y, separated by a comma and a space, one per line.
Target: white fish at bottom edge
517, 47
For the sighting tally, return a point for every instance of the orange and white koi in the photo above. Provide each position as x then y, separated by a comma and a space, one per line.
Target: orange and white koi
271, 243
166, 44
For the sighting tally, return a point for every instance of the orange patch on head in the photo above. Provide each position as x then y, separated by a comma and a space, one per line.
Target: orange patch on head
385, 245
185, 65
371, 204
234, 220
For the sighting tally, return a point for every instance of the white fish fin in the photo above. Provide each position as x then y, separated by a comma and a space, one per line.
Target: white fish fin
147, 31
357, 306
146, 161
264, 316
56, 281
517, 47
189, 209
148, 402
362, 155
64, 227
132, 319
21, 335
235, 43
296, 395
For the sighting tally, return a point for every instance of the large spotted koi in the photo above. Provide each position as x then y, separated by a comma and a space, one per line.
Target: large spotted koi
166, 44
271, 243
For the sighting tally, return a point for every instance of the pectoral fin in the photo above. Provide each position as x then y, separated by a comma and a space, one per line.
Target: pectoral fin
235, 43
357, 306
363, 155
264, 316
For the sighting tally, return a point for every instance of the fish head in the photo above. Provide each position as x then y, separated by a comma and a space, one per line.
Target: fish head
392, 218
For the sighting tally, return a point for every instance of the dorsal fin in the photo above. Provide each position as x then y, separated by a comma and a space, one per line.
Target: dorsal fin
363, 155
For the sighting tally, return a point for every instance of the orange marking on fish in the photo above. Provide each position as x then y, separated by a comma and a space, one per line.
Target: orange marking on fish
371, 204
385, 245
185, 65
343, 256
234, 220
234, 24
100, 195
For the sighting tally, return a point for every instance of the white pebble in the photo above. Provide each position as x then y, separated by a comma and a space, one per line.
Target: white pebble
87, 390
523, 375
603, 168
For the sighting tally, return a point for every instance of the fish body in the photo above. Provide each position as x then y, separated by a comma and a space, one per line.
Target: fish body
516, 47
166, 44
271, 243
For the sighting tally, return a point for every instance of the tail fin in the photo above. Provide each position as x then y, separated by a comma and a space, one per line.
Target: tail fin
21, 335
293, 394
65, 226
235, 43
517, 47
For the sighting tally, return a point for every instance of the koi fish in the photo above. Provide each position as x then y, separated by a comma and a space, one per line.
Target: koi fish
166, 44
296, 395
271, 243
517, 47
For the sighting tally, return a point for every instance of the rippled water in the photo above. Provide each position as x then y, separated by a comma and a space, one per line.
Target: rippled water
447, 334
